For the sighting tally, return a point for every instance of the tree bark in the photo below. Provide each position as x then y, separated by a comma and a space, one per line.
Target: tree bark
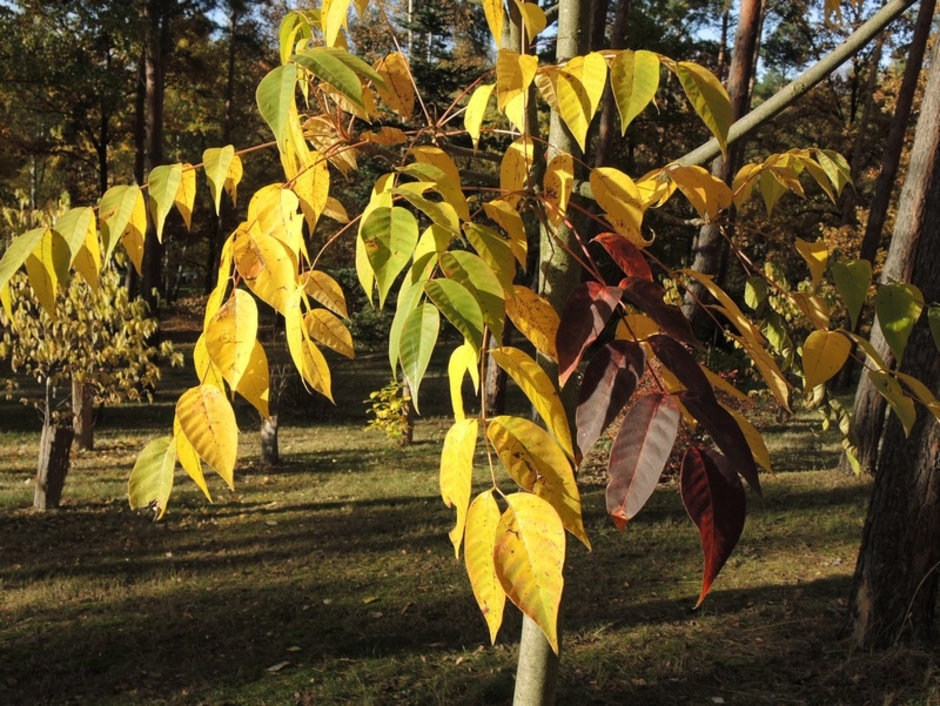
55, 445
270, 454
708, 247
910, 227
895, 585
83, 415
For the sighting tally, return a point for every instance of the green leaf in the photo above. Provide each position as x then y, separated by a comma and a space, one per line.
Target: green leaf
852, 279
898, 307
892, 391
634, 78
389, 237
217, 161
709, 99
755, 292
151, 481
459, 306
418, 337
326, 64
19, 249
473, 273
275, 98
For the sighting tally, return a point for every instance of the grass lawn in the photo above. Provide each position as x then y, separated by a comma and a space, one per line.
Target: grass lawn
329, 579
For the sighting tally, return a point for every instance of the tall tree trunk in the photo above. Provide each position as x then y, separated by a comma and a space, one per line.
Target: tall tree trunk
83, 415
607, 126
895, 585
869, 410
55, 445
709, 245
537, 670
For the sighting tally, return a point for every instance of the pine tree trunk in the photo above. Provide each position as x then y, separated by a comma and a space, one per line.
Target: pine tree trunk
270, 455
54, 462
83, 415
895, 585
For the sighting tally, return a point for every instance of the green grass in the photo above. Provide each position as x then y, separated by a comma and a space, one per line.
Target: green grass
330, 580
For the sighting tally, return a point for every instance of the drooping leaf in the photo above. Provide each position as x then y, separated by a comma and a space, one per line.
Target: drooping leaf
852, 279
254, 384
616, 193
639, 454
535, 318
333, 18
629, 257
755, 440
418, 337
586, 313
482, 521
208, 421
714, 498
473, 273
709, 99
327, 328
326, 290
163, 184
324, 63
185, 198
476, 109
493, 9
836, 167
495, 251
514, 75
507, 217
231, 336
580, 86
634, 78
398, 92
457, 473
533, 17
458, 305
816, 256
216, 161
768, 369
824, 354
78, 227
648, 297
707, 193
307, 357
447, 175
558, 183
529, 556
189, 459
536, 461
151, 481
47, 268
892, 391
536, 385
312, 187
728, 307
814, 308
462, 361
389, 236
266, 266
514, 170
610, 379
206, 370
123, 216
898, 307
636, 327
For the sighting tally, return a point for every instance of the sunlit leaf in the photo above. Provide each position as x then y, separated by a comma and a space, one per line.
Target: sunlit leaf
398, 91
189, 459
163, 184
333, 15
709, 99
629, 257
493, 9
231, 335
389, 236
254, 384
463, 360
816, 256
326, 290
473, 273
610, 379
707, 193
418, 337
327, 328
208, 421
535, 318
507, 217
616, 193
151, 481
266, 267
892, 391
312, 187
456, 473
824, 354
459, 306
898, 307
558, 184
216, 163
476, 109
634, 77
514, 170
123, 216
482, 521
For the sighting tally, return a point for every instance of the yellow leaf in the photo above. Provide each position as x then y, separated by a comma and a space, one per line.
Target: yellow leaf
514, 75
78, 227
540, 390
708, 97
151, 481
398, 92
387, 136
514, 170
185, 196
533, 17
274, 212
507, 217
449, 187
616, 193
744, 181
559, 182
266, 267
231, 335
530, 556
326, 290
580, 86
189, 459
707, 193
816, 256
255, 384
6, 300
482, 521
327, 328
634, 77
463, 360
537, 463
493, 9
162, 186
206, 370
824, 354
476, 109
457, 473
728, 308
332, 18
546, 81
767, 368
208, 421
814, 307
312, 187
217, 163
892, 391
123, 215
535, 318
47, 267
334, 209
720, 383
308, 359
636, 327
755, 441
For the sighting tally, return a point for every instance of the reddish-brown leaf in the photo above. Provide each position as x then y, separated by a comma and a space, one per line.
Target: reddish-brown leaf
586, 313
648, 296
610, 379
680, 362
628, 256
725, 432
639, 454
714, 498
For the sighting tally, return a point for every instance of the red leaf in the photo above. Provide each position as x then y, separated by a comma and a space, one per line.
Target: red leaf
586, 313
725, 432
680, 362
610, 379
648, 296
639, 455
714, 498
627, 255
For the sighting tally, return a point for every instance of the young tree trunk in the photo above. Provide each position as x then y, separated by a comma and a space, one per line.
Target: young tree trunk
270, 455
894, 590
83, 415
54, 463
494, 386
709, 246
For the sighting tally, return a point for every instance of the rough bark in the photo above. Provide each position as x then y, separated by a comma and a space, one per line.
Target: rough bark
270, 454
607, 125
895, 585
83, 415
914, 212
54, 463
708, 247
494, 386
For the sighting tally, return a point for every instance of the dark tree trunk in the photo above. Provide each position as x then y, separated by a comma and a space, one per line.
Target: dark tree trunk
83, 415
607, 126
55, 445
408, 436
914, 212
494, 386
708, 246
270, 455
895, 585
